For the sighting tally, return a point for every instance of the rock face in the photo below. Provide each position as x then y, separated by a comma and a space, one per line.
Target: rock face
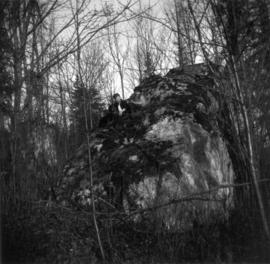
168, 153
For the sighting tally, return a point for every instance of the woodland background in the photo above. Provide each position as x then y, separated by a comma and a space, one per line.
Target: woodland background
60, 63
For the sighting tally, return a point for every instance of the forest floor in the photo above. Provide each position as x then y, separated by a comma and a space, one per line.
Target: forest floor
51, 234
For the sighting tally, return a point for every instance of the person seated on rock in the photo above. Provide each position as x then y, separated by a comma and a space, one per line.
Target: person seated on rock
117, 109
119, 106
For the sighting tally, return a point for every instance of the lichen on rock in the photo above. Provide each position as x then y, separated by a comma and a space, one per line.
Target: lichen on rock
167, 160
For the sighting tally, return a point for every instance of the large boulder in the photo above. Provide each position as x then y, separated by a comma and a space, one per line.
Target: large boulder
166, 161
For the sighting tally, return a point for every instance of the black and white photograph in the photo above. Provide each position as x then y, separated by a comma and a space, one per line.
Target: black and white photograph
134, 131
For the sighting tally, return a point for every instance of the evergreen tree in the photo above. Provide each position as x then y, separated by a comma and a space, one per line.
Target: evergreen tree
90, 96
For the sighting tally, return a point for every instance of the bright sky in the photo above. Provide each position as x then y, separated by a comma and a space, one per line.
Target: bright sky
125, 28
64, 15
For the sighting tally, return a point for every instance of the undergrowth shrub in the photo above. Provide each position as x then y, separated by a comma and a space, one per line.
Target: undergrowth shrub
42, 233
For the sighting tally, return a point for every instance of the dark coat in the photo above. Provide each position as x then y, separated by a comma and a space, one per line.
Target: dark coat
113, 108
112, 116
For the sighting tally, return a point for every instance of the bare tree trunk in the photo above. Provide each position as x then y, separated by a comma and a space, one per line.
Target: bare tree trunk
47, 99
243, 108
122, 84
250, 148
179, 40
90, 170
17, 102
117, 56
63, 110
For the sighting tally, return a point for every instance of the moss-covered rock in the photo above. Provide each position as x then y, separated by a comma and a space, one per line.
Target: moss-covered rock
168, 154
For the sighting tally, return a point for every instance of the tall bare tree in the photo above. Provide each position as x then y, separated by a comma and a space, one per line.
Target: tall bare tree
235, 43
119, 54
88, 126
